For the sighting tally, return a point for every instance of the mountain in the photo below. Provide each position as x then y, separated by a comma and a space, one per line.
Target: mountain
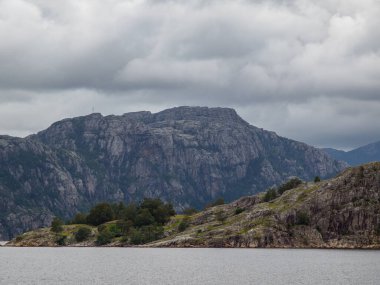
364, 154
186, 155
343, 212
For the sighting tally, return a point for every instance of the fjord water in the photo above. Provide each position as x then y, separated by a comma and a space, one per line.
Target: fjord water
187, 266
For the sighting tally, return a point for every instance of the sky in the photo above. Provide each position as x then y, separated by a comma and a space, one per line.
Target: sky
308, 70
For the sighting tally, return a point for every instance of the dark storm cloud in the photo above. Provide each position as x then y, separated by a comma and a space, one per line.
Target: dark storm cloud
308, 70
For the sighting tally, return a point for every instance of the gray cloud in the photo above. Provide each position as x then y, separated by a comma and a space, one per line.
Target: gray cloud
308, 70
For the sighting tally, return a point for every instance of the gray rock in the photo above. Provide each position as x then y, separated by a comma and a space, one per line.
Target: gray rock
186, 155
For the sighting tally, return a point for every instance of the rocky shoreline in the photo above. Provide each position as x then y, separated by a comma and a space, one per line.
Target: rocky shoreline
343, 212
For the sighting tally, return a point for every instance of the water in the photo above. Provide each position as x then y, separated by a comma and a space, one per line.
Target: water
187, 266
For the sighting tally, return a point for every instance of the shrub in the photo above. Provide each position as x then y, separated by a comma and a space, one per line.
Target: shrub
136, 237
82, 234
60, 240
317, 179
184, 224
56, 225
79, 219
239, 210
302, 219
217, 202
104, 237
220, 216
292, 183
378, 230
190, 211
100, 214
270, 195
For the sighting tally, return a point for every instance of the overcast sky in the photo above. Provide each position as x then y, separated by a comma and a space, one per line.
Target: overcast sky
309, 70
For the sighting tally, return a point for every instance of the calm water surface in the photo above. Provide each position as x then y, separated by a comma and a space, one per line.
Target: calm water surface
187, 266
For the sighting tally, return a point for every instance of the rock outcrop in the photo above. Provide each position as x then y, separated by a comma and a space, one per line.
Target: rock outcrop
343, 212
186, 155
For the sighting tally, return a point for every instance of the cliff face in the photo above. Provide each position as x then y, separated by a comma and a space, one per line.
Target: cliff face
185, 155
343, 212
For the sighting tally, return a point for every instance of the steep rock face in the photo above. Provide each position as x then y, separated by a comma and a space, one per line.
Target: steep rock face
186, 155
343, 212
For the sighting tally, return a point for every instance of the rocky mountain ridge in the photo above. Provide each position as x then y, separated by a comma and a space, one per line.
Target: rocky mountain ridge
186, 155
357, 156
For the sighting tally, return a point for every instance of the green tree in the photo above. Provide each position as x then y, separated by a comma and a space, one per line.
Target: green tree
270, 195
104, 237
82, 234
317, 179
57, 225
239, 210
160, 211
100, 214
292, 183
144, 218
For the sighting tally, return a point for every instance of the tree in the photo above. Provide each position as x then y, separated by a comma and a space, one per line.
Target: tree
292, 183
144, 218
100, 214
105, 236
56, 225
160, 211
317, 179
82, 234
270, 195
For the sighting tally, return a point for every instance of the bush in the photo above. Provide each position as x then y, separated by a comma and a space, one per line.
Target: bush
56, 225
217, 202
190, 211
79, 219
184, 224
136, 237
302, 219
160, 211
105, 236
317, 179
60, 240
82, 234
239, 210
270, 195
100, 214
292, 183
220, 216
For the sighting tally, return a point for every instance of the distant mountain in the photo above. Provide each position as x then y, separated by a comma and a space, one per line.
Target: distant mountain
186, 155
364, 154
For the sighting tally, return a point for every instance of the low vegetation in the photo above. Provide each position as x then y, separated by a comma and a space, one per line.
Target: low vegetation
134, 223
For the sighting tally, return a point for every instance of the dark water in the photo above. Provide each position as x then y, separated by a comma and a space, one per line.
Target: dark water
187, 266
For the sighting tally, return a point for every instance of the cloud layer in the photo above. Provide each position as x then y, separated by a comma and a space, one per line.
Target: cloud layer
308, 70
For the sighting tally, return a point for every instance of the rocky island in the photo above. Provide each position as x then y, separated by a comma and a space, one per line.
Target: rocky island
342, 212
